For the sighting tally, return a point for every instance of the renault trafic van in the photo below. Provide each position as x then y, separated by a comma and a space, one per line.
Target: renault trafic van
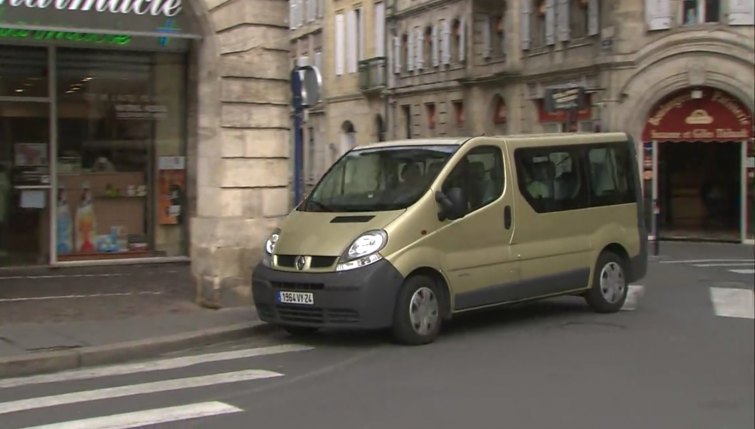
405, 234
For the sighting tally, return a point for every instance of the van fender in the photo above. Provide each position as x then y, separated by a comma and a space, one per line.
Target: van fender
612, 238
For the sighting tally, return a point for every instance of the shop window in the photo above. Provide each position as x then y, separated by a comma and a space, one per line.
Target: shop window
121, 154
24, 71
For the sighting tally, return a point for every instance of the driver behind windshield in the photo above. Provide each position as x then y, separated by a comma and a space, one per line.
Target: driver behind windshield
413, 182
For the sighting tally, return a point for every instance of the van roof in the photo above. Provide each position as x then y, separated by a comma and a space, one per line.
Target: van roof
456, 141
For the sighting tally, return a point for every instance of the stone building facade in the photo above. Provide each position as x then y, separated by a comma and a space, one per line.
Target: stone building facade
240, 135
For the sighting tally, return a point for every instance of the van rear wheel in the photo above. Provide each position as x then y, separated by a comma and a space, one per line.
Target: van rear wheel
417, 316
609, 284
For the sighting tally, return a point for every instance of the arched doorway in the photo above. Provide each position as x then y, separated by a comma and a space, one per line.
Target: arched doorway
696, 143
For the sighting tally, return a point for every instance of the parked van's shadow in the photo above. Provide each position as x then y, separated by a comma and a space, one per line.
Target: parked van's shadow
560, 310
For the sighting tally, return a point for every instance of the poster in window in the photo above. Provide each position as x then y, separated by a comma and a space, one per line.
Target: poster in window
172, 181
30, 164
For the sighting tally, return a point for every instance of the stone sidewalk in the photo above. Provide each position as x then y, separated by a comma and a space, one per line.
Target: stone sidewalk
33, 348
56, 319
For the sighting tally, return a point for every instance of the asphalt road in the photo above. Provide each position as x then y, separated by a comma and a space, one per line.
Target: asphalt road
676, 360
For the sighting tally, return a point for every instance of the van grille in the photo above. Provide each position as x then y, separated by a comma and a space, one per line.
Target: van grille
289, 261
313, 315
297, 286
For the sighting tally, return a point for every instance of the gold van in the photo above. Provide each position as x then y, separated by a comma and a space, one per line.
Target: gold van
405, 234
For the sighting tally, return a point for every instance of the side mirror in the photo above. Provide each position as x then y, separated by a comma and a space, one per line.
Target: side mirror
453, 205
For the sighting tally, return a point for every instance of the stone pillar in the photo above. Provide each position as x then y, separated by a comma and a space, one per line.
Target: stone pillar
242, 146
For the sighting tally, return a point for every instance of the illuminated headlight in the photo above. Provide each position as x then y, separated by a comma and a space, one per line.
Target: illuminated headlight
363, 251
267, 258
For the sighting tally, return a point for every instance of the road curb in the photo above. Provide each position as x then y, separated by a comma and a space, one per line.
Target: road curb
53, 361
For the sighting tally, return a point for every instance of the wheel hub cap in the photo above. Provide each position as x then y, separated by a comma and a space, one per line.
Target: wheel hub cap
423, 311
612, 282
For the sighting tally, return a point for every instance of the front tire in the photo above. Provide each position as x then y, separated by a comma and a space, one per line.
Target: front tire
609, 285
417, 316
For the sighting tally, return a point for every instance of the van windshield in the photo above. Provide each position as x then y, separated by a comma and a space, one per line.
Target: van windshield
378, 179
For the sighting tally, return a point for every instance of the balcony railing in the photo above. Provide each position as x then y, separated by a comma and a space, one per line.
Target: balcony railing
372, 75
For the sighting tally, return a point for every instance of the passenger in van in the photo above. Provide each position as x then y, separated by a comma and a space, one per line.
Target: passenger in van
413, 181
541, 177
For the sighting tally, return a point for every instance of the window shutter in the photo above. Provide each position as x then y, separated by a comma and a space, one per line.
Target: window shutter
360, 35
311, 6
658, 14
741, 12
462, 40
396, 54
318, 61
410, 51
420, 51
299, 13
445, 48
320, 8
563, 20
379, 29
436, 47
593, 17
351, 42
340, 50
525, 24
291, 14
486, 41
550, 22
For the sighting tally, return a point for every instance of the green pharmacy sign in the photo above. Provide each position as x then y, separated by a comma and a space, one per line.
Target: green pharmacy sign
65, 36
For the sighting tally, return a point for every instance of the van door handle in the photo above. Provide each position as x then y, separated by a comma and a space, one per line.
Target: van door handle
507, 217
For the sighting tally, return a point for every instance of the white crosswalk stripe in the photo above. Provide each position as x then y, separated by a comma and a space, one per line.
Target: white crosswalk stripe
110, 391
634, 294
149, 417
732, 265
733, 302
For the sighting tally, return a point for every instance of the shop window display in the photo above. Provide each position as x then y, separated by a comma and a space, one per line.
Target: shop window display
121, 155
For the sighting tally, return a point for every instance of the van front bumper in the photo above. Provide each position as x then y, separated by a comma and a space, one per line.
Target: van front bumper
363, 298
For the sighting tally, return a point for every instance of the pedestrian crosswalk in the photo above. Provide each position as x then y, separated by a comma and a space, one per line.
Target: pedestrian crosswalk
733, 265
108, 389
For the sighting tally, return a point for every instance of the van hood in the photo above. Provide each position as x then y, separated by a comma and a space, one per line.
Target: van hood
327, 233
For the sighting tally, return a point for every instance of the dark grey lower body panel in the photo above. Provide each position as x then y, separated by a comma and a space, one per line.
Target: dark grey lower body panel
525, 289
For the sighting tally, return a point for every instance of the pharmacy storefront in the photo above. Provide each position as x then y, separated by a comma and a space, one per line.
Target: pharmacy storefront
93, 130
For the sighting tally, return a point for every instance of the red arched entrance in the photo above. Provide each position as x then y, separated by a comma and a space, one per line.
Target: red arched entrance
702, 173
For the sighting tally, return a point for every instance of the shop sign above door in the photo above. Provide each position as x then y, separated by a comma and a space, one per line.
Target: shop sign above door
701, 114
162, 18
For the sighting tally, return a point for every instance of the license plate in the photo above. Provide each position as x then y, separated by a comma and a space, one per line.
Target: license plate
302, 298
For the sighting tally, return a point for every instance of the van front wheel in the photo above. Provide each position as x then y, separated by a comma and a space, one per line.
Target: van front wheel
417, 318
609, 284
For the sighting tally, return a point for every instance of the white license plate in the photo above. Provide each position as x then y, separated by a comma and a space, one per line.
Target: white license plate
303, 298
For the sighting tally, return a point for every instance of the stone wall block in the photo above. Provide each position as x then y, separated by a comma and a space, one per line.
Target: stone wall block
254, 116
246, 173
252, 90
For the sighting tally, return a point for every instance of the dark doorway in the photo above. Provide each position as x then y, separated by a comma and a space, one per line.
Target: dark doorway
699, 187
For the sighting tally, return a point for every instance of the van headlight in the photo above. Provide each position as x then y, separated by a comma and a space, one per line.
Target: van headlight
267, 258
363, 251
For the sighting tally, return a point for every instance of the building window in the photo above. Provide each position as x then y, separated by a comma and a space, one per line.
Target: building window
456, 40
499, 110
579, 18
459, 113
700, 11
538, 23
405, 47
496, 34
429, 47
380, 29
407, 112
340, 50
431, 118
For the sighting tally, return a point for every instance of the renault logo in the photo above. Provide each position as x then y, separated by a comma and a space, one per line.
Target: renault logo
302, 262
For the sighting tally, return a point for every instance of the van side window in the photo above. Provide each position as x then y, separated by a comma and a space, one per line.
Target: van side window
480, 175
610, 175
551, 179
